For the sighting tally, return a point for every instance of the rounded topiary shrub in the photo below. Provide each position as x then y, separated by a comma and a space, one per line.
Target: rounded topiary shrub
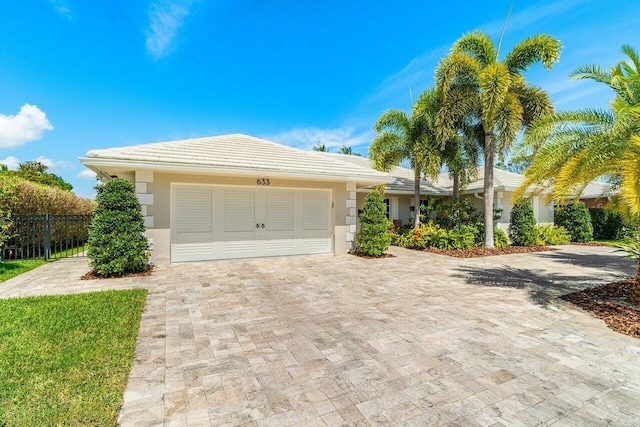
576, 220
117, 243
522, 226
374, 236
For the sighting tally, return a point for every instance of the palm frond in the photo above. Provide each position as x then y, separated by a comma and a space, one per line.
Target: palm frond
494, 81
477, 45
394, 120
539, 48
508, 121
387, 150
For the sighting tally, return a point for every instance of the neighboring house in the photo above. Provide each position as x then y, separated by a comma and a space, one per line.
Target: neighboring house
399, 193
236, 196
597, 194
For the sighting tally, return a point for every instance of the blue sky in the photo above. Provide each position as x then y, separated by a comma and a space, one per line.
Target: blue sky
78, 75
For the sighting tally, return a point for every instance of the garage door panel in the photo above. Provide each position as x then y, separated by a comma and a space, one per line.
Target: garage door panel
194, 210
239, 211
315, 211
192, 252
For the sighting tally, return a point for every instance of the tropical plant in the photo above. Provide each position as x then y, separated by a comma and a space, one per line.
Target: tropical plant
500, 239
550, 234
117, 243
403, 137
573, 148
374, 237
522, 225
607, 223
472, 83
576, 220
629, 248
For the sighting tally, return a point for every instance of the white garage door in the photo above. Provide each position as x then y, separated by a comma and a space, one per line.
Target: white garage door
236, 222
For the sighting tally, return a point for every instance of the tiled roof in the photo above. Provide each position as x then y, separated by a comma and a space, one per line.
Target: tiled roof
235, 153
403, 177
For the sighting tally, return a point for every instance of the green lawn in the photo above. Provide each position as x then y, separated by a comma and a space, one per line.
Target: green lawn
9, 269
64, 360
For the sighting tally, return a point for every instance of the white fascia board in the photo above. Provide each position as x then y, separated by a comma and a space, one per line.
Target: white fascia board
97, 164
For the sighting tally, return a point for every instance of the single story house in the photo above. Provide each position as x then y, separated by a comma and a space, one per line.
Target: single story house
236, 196
399, 193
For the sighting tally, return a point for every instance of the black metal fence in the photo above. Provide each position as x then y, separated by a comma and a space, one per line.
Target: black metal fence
47, 236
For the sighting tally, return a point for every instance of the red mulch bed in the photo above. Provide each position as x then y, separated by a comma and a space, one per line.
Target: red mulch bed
93, 276
610, 303
480, 251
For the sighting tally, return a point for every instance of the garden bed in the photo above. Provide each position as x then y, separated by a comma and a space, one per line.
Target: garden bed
610, 303
482, 252
93, 276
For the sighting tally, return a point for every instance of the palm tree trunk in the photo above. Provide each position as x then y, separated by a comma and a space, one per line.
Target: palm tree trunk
416, 199
488, 190
635, 288
456, 186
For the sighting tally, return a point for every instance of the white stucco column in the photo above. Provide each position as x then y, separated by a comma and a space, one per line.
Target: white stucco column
145, 196
351, 212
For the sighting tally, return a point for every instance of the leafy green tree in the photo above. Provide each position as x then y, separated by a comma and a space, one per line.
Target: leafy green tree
522, 225
572, 148
473, 83
35, 171
374, 236
117, 243
403, 137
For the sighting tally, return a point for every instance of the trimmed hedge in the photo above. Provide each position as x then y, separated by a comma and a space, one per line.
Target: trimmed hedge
549, 234
522, 226
117, 243
374, 236
22, 197
575, 218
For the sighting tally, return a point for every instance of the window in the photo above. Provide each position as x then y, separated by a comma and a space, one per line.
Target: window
387, 203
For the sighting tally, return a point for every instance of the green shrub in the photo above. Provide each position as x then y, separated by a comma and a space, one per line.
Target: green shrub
576, 220
522, 226
549, 234
374, 236
462, 237
607, 224
500, 239
117, 243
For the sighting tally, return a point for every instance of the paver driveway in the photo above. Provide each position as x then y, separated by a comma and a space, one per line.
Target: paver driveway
417, 339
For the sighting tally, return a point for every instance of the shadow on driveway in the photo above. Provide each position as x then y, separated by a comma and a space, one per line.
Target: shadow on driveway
612, 263
541, 286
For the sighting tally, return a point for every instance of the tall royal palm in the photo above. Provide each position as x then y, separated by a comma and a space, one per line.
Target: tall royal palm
473, 83
573, 148
403, 137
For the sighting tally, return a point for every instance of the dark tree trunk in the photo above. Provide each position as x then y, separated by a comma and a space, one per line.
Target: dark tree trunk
635, 288
488, 190
416, 199
456, 186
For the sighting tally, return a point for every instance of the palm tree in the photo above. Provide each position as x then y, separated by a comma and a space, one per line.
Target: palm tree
320, 147
402, 137
473, 83
573, 148
461, 156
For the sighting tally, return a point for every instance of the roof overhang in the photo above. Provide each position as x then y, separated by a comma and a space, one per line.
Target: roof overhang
102, 165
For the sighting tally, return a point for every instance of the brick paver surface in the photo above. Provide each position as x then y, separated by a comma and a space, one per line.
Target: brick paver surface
416, 339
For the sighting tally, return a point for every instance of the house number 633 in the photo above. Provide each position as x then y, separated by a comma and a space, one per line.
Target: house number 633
263, 181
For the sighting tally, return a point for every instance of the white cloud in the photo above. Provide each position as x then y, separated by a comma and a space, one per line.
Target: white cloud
87, 174
54, 166
11, 162
28, 125
306, 138
166, 17
62, 7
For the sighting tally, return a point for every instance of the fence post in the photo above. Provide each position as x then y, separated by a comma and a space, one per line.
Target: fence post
47, 237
